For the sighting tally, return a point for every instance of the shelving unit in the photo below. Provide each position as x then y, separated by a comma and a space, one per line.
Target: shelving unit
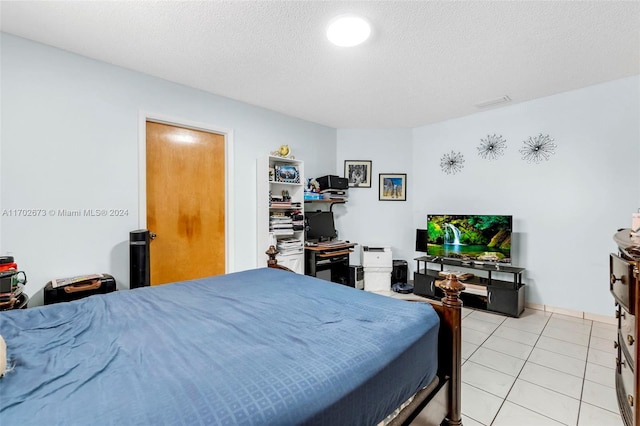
483, 290
276, 178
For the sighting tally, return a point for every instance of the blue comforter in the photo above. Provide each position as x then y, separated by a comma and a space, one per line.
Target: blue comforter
260, 347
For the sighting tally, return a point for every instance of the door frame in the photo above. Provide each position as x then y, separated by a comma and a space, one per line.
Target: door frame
229, 225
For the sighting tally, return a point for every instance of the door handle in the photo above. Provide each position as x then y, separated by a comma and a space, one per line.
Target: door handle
152, 235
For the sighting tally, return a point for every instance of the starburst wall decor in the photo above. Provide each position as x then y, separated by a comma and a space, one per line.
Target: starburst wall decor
452, 163
538, 148
492, 147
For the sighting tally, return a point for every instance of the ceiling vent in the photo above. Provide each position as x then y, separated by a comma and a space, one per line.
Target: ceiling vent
493, 102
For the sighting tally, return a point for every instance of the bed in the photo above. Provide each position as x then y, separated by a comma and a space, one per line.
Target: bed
258, 347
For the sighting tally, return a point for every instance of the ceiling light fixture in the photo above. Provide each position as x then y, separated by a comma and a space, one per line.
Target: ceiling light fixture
348, 30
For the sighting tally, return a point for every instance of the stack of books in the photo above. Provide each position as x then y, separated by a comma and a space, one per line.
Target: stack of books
281, 224
289, 246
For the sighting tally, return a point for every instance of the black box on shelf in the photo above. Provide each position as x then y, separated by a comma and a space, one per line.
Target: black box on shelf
332, 182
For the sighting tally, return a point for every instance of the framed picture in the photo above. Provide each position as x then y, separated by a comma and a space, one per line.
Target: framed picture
393, 187
287, 173
358, 173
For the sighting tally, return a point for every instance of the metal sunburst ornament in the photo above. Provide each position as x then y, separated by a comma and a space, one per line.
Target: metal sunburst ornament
538, 148
492, 147
452, 163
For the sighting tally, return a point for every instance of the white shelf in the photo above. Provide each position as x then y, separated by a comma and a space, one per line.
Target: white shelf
266, 186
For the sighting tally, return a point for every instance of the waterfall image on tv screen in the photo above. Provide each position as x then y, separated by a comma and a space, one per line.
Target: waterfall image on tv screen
475, 237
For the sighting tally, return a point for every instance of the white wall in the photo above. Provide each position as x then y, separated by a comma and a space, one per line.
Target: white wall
364, 219
70, 140
565, 210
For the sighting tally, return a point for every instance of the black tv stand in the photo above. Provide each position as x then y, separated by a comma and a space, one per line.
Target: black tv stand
488, 289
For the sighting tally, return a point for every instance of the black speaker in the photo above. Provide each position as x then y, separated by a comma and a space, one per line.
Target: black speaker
400, 272
139, 269
356, 277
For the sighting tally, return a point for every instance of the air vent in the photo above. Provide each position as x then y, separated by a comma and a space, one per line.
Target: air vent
493, 102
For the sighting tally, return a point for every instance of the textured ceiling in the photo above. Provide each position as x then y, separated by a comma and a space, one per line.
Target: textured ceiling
427, 61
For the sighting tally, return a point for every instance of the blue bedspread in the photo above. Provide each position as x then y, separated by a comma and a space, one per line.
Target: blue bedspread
260, 347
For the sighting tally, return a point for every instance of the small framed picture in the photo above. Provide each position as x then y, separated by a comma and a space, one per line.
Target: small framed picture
287, 173
358, 173
393, 187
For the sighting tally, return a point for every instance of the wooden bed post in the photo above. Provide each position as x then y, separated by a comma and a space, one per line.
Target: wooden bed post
453, 320
271, 252
272, 262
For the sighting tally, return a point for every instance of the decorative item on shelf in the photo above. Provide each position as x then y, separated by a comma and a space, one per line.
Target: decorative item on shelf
538, 148
272, 174
283, 152
452, 163
358, 173
287, 173
312, 186
492, 147
393, 187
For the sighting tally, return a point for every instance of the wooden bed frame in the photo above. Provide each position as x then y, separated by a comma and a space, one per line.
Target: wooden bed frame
443, 404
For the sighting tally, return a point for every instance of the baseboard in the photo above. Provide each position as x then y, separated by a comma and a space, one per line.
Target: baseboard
576, 314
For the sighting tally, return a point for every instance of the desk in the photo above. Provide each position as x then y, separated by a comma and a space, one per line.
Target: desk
328, 261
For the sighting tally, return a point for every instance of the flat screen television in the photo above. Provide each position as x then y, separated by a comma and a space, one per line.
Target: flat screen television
320, 226
469, 237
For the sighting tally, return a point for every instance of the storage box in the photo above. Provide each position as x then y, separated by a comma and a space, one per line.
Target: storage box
102, 284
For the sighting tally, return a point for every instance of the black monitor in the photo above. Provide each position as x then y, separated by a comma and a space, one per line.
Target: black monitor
320, 226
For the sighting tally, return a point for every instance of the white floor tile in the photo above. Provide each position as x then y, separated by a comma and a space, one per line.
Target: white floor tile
604, 330
594, 416
509, 347
488, 317
545, 401
566, 335
473, 336
487, 379
468, 421
499, 361
552, 379
474, 323
511, 414
606, 359
600, 396
602, 344
559, 318
604, 375
534, 314
468, 349
479, 405
517, 335
535, 326
558, 362
561, 347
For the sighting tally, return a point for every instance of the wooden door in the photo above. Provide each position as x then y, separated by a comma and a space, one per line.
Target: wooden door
185, 202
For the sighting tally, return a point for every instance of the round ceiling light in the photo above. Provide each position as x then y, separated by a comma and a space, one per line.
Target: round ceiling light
348, 30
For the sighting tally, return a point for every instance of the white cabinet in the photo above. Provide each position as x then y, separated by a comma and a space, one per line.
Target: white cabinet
280, 211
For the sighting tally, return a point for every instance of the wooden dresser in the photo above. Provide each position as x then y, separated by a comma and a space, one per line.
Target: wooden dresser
624, 283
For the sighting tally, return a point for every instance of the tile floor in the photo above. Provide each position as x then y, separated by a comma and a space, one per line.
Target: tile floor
539, 369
